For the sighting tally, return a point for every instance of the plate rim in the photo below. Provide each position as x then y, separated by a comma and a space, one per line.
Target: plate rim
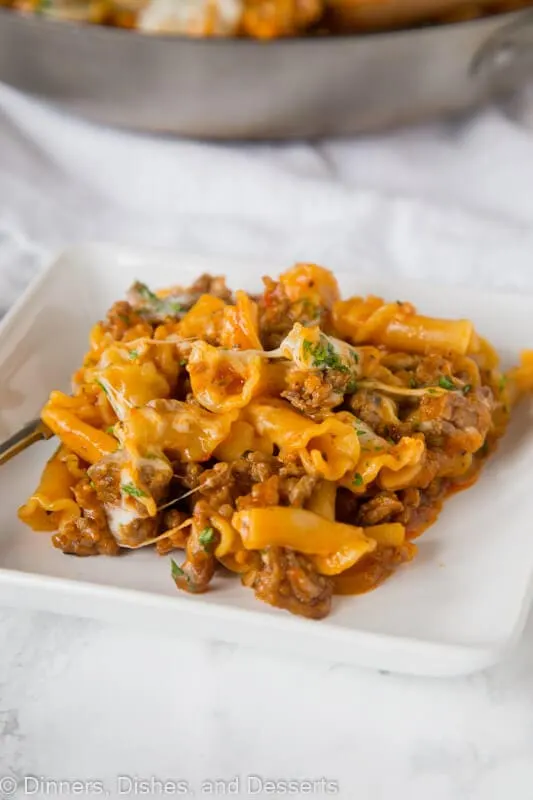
15, 583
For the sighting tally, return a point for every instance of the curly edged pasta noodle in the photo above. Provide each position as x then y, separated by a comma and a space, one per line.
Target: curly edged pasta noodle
297, 439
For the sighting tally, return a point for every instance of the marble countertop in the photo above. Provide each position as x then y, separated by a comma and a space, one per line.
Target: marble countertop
82, 700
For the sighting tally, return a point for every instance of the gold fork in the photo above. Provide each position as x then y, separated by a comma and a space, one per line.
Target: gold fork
33, 432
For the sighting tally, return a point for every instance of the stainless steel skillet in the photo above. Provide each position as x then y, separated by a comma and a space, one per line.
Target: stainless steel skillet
246, 89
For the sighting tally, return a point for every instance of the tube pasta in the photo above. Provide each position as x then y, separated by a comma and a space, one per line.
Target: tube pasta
86, 441
204, 319
339, 545
520, 378
242, 438
322, 501
311, 282
52, 504
328, 448
222, 380
240, 324
395, 465
190, 432
396, 326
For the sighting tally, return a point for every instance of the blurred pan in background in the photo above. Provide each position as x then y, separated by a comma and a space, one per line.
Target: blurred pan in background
264, 19
320, 67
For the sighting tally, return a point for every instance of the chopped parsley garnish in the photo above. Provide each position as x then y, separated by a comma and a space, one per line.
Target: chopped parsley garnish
502, 383
361, 433
391, 441
432, 391
355, 356
134, 354
101, 385
176, 570
358, 480
92, 485
132, 490
183, 362
446, 383
413, 383
351, 388
125, 319
110, 430
377, 449
467, 388
163, 306
323, 355
146, 293
207, 537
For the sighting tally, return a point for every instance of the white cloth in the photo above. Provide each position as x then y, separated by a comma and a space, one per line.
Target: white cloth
452, 200
449, 202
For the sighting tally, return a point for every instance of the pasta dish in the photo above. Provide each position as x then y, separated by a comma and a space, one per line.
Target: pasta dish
263, 19
299, 440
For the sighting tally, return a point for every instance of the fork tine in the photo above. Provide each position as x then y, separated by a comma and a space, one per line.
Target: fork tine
33, 432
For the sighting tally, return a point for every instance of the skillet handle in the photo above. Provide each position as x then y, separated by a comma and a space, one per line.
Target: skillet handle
505, 60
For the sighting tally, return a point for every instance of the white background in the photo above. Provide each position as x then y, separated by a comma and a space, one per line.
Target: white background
78, 699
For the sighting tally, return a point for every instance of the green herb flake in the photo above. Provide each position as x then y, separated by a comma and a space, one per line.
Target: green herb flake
358, 480
323, 355
176, 570
125, 319
446, 383
164, 306
432, 391
92, 485
377, 449
207, 537
355, 356
132, 490
110, 430
361, 433
183, 362
502, 383
351, 388
413, 383
101, 385
391, 441
134, 354
146, 293
467, 388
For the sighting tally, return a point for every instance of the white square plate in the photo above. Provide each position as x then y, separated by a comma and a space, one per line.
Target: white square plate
457, 608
